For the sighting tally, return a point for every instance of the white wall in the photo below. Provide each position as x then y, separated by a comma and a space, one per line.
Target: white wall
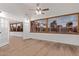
4, 29
18, 34
63, 38
57, 9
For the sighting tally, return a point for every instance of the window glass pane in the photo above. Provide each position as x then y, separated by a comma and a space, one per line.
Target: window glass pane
38, 26
42, 25
16, 27
63, 24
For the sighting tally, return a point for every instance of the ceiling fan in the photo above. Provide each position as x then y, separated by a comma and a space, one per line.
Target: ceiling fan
38, 10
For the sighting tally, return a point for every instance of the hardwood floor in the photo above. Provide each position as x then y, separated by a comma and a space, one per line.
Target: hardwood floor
33, 47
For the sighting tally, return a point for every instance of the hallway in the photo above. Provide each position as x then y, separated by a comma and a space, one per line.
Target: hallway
31, 47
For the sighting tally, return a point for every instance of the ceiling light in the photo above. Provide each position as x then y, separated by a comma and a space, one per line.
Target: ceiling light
38, 11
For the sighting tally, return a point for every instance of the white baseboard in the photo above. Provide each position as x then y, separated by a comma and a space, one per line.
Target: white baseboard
24, 38
3, 44
71, 43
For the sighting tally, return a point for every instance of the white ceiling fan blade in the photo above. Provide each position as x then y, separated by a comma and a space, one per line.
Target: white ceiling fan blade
45, 9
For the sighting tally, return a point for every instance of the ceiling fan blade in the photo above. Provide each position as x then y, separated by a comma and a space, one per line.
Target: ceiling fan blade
46, 9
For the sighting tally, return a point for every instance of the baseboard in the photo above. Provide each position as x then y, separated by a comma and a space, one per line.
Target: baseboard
53, 41
24, 38
3, 44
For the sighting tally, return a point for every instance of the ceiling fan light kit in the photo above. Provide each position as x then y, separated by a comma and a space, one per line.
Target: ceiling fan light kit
38, 10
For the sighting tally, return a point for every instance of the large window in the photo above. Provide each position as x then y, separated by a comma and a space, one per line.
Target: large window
38, 26
64, 24
59, 24
16, 27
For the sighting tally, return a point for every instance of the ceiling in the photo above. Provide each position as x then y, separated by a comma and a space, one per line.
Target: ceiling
21, 10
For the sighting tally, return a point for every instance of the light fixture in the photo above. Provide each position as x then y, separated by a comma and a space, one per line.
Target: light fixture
38, 11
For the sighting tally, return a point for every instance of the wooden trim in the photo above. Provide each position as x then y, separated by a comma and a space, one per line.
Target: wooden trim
30, 24
78, 22
30, 27
16, 30
46, 25
16, 23
56, 33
